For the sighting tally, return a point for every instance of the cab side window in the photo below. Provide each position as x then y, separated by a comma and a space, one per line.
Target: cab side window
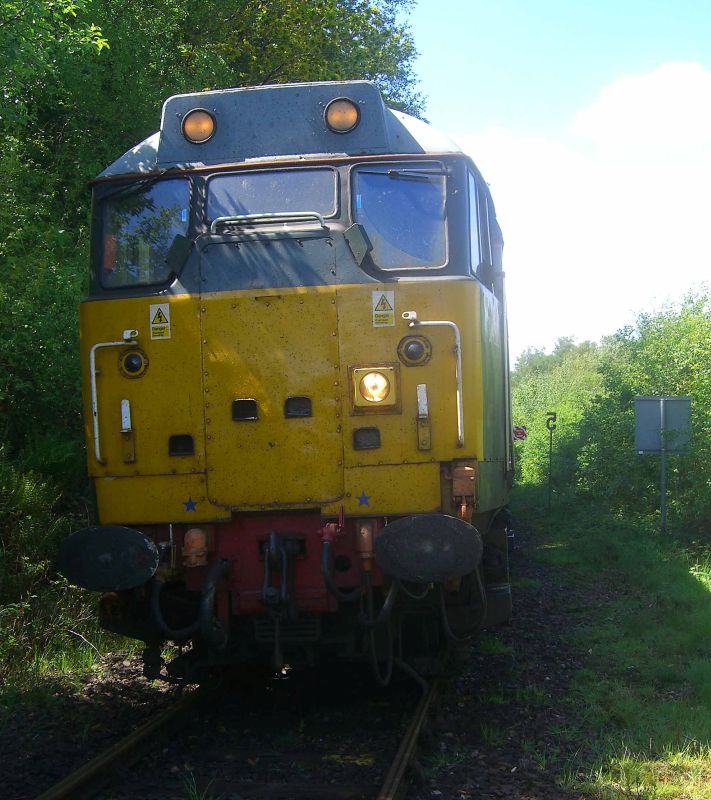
479, 233
474, 246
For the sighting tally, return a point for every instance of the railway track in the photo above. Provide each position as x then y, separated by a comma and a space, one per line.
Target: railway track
394, 783
95, 774
90, 779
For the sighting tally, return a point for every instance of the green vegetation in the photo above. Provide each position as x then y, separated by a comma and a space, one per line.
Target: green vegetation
644, 695
592, 388
81, 81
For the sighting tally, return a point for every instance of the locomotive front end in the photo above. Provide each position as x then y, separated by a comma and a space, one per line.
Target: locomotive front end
296, 392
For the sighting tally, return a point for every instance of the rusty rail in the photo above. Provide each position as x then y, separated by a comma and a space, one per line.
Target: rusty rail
89, 778
394, 783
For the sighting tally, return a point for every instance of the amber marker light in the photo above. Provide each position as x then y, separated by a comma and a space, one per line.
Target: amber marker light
198, 126
342, 115
195, 548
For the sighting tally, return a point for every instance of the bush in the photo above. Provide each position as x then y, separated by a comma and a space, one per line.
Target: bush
592, 388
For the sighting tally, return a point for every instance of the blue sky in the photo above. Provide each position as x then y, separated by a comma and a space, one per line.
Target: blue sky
592, 123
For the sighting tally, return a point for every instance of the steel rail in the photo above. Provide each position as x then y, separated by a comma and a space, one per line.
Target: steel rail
90, 777
394, 783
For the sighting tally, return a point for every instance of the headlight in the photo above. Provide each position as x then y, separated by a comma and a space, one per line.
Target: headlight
374, 387
342, 115
198, 125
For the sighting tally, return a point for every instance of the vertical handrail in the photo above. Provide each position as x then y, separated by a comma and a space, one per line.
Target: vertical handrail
129, 338
411, 316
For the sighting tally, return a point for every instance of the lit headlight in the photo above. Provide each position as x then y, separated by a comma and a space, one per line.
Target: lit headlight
374, 387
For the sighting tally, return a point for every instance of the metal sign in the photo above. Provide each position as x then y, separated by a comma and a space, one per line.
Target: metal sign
662, 424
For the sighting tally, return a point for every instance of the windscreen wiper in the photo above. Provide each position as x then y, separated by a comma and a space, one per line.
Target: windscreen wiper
279, 216
406, 174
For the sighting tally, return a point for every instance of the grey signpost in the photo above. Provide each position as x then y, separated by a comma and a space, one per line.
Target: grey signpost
662, 426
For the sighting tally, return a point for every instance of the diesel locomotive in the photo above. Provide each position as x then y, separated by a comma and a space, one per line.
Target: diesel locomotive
296, 385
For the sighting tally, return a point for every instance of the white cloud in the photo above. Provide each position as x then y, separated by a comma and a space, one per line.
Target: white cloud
611, 217
669, 107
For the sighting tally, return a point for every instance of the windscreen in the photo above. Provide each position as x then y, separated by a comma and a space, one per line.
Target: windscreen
402, 209
272, 192
138, 226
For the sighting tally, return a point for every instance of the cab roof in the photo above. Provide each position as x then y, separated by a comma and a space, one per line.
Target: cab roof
270, 123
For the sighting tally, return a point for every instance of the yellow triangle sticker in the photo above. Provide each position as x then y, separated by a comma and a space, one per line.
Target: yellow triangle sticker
383, 304
159, 318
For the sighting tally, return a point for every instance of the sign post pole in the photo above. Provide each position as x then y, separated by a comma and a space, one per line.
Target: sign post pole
663, 426
550, 424
663, 477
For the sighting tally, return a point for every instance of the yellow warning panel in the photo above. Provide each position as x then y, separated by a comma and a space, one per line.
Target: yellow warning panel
383, 305
159, 317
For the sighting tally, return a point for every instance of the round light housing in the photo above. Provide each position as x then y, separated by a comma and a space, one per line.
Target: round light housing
133, 363
195, 548
374, 387
342, 115
198, 126
414, 351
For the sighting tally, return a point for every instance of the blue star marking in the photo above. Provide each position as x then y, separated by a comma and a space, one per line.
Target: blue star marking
189, 504
364, 499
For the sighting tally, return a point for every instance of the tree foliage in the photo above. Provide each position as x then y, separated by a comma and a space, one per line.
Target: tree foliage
593, 389
562, 382
667, 353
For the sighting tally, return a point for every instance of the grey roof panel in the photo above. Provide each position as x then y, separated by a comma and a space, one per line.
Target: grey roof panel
268, 122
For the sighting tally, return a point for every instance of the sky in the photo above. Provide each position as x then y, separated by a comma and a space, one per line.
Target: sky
591, 122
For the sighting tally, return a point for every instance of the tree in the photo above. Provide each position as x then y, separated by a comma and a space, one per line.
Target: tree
32, 34
664, 353
593, 389
565, 382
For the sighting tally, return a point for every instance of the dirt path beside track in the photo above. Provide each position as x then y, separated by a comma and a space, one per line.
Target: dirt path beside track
506, 730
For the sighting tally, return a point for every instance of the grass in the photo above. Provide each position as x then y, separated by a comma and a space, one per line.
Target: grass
492, 734
52, 633
48, 629
193, 792
679, 774
444, 759
531, 695
644, 695
489, 644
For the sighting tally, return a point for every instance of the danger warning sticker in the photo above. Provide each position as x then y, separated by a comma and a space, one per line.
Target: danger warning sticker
159, 318
383, 305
